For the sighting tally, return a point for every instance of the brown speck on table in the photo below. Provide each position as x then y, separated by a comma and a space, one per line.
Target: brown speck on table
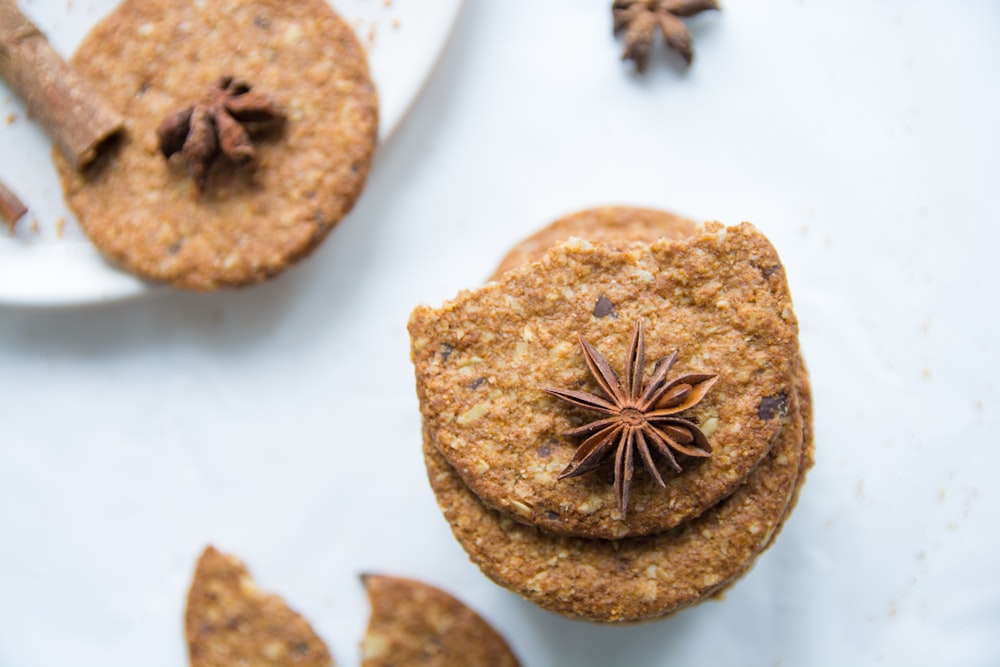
925, 374
60, 227
395, 24
387, 3
11, 118
371, 33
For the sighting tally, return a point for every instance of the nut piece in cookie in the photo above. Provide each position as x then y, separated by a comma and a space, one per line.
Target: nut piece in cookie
230, 623
414, 624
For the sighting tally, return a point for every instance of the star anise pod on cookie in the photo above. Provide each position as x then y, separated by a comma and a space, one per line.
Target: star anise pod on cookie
639, 19
639, 418
218, 124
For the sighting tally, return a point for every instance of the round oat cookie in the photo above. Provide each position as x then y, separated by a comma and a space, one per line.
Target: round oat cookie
151, 58
482, 360
634, 579
615, 226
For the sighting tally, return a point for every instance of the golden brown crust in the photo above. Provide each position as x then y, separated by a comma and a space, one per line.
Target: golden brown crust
146, 214
719, 298
416, 624
613, 226
230, 623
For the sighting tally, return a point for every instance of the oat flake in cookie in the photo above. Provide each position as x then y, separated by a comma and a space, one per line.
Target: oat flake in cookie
497, 445
153, 58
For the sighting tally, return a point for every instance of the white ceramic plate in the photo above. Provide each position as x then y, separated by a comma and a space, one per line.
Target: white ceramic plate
48, 261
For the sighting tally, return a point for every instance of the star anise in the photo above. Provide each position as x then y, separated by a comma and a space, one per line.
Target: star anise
219, 123
640, 19
640, 418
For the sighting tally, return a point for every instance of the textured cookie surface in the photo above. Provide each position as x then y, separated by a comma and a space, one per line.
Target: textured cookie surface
803, 391
634, 578
230, 623
414, 624
614, 226
151, 58
619, 226
719, 298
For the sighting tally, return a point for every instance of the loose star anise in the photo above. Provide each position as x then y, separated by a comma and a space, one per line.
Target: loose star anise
217, 124
640, 417
640, 19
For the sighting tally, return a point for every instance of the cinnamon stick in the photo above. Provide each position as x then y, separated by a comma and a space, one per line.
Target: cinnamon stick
73, 114
11, 208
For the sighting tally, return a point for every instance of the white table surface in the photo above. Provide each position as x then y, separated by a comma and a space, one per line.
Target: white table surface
280, 423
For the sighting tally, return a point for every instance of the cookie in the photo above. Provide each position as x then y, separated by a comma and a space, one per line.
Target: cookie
619, 226
413, 623
718, 298
151, 58
229, 622
613, 226
637, 578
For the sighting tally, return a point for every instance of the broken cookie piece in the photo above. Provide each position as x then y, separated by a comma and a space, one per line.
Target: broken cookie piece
416, 624
231, 623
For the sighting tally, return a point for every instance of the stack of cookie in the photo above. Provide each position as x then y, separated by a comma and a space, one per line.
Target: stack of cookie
601, 506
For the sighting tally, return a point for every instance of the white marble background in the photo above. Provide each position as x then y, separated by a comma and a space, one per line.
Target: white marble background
280, 423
